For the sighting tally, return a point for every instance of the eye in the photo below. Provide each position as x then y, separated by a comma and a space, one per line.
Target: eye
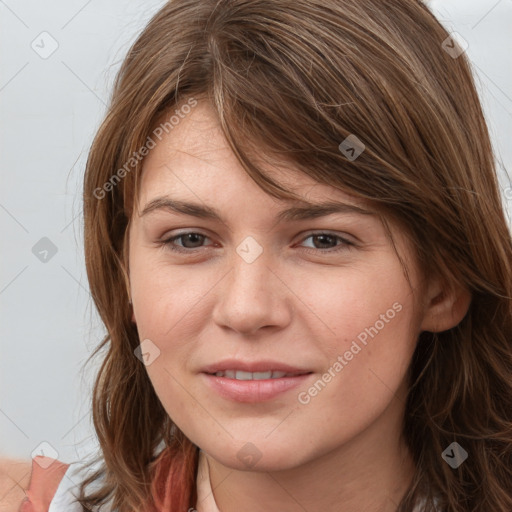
322, 239
191, 240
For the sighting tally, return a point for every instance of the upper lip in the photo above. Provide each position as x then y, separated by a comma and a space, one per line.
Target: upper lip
253, 366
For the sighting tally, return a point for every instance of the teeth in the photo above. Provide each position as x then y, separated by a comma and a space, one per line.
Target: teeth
241, 375
278, 375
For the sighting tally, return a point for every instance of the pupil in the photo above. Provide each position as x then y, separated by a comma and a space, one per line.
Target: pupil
191, 236
323, 237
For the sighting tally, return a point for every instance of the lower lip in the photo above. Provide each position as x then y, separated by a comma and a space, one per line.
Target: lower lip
254, 390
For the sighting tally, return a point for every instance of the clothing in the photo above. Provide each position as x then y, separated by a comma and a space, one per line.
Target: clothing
54, 489
47, 475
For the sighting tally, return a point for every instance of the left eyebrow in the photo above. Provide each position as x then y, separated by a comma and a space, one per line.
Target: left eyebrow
313, 211
295, 213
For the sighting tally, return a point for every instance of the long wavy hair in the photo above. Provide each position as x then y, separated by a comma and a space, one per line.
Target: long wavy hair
291, 80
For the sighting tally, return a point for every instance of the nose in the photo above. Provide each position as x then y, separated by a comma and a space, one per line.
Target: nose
253, 295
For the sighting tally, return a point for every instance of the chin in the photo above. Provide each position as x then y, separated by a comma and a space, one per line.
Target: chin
258, 456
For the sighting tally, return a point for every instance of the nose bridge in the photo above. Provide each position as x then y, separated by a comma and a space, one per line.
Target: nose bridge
251, 271
251, 279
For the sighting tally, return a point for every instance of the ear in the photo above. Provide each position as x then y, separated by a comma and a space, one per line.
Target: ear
445, 306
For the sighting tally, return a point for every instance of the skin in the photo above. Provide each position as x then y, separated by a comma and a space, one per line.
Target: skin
14, 479
297, 303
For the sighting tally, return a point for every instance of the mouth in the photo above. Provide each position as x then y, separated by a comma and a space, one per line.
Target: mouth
262, 381
241, 386
243, 375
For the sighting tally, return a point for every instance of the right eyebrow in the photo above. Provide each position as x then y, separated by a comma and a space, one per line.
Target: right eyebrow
183, 207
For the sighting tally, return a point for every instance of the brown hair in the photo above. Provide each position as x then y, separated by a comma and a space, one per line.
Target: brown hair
293, 79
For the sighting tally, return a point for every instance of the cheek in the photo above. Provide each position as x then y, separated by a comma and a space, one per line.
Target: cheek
348, 303
370, 326
168, 309
166, 298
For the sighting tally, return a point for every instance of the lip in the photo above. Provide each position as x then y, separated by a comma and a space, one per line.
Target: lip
253, 366
253, 390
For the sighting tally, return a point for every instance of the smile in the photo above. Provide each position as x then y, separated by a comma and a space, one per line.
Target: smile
251, 387
242, 375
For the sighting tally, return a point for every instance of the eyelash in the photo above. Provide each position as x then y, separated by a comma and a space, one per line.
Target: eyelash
344, 245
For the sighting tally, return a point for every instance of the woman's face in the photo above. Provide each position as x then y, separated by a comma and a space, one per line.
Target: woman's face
323, 296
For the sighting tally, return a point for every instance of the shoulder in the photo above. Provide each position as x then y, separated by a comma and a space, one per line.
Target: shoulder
14, 481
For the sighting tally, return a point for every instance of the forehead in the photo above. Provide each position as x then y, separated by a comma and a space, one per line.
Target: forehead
194, 157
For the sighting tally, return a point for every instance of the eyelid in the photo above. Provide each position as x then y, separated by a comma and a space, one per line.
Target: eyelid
168, 240
347, 237
172, 235
345, 242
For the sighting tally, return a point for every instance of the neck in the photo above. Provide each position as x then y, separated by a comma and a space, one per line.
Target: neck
371, 472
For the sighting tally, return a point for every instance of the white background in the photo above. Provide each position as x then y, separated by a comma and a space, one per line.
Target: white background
49, 111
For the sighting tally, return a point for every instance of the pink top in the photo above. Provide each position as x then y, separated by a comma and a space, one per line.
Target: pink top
47, 474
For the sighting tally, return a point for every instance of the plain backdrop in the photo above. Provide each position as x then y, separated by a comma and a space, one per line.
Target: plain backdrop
58, 60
